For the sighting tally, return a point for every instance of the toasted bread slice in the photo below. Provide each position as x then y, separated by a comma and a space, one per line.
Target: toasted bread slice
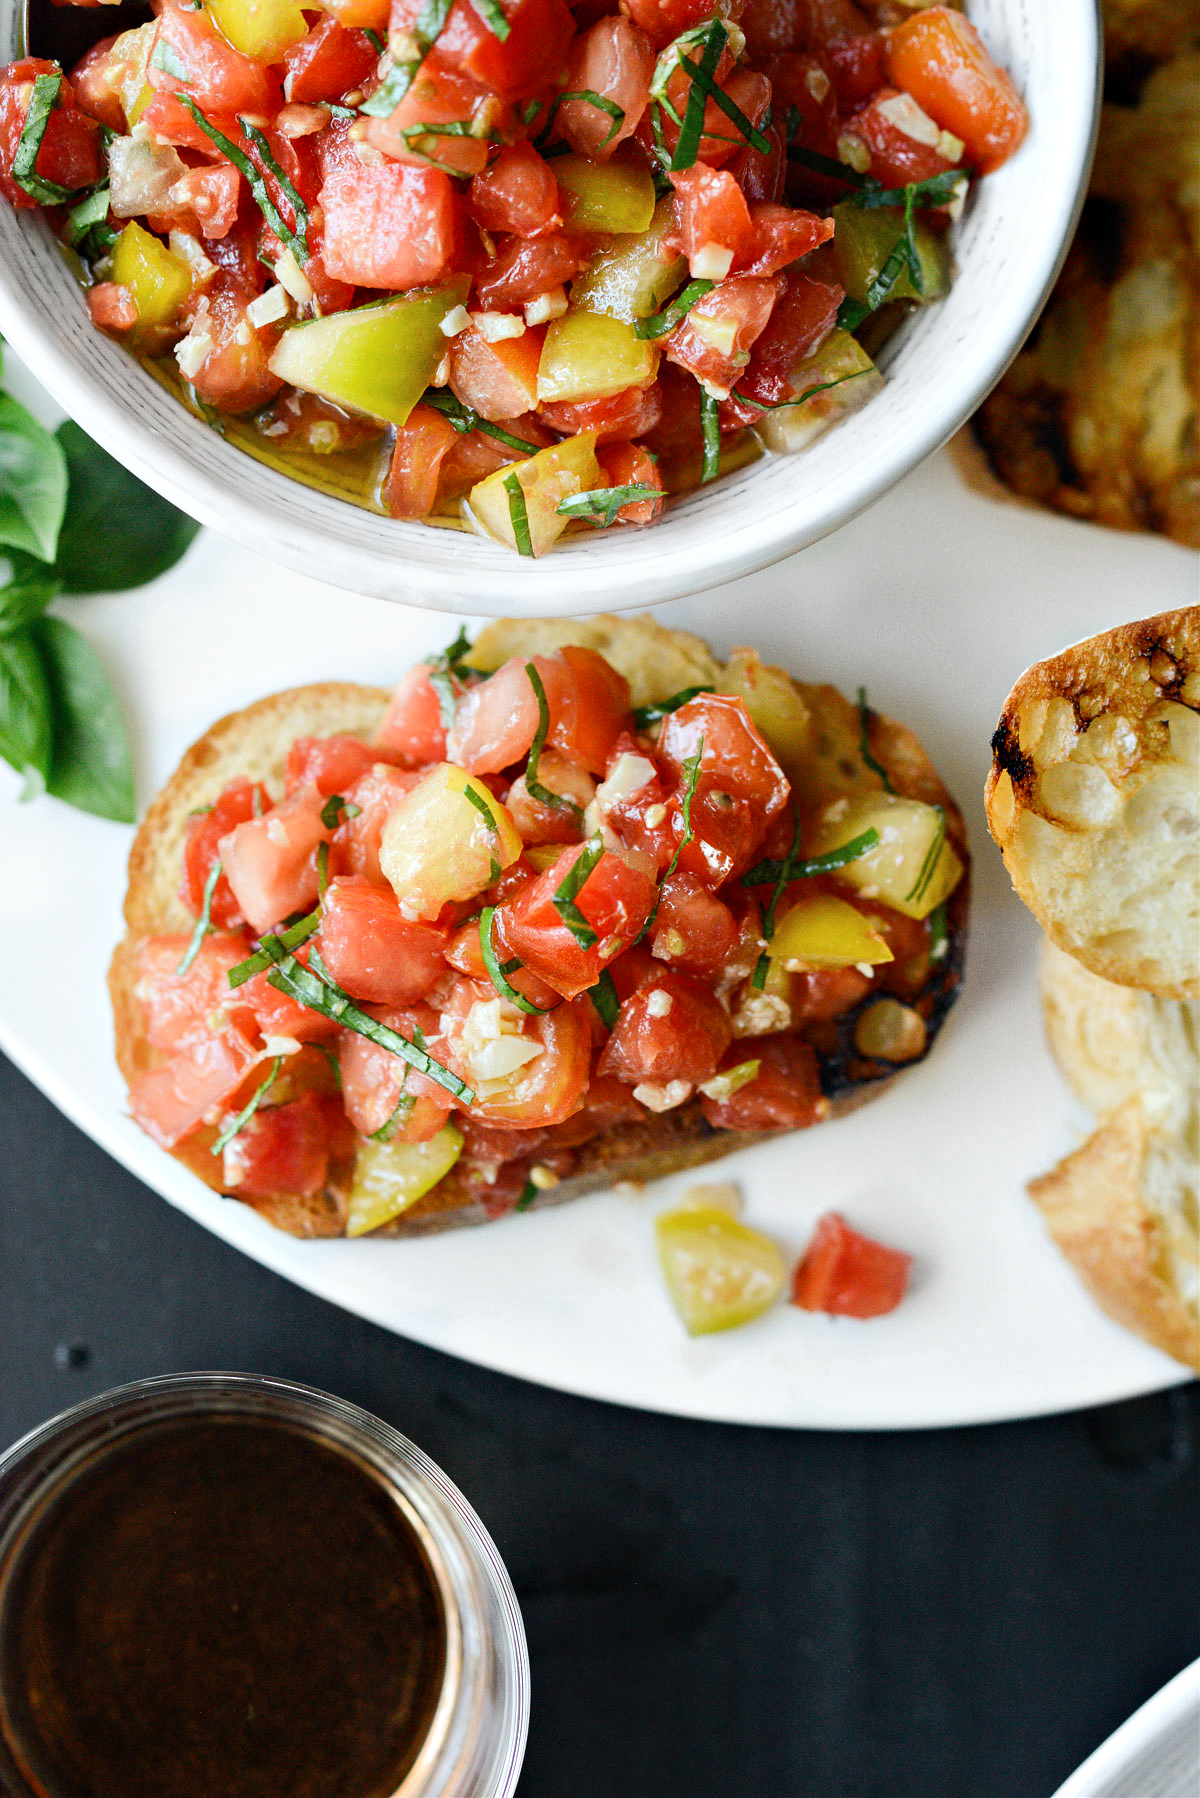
819, 729
1094, 799
1124, 1208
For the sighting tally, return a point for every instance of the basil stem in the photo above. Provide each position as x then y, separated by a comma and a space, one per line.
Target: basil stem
568, 891
864, 747
499, 971
489, 817
808, 394
659, 323
518, 515
544, 795
204, 921
238, 1124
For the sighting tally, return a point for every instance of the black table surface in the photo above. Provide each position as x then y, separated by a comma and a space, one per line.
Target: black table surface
712, 1611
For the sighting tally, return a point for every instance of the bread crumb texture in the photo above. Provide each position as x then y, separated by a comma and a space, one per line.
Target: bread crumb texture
1094, 800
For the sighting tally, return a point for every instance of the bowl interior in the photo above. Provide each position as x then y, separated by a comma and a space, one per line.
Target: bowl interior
1008, 249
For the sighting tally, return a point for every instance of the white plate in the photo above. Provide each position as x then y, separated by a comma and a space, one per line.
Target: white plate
1154, 1754
936, 600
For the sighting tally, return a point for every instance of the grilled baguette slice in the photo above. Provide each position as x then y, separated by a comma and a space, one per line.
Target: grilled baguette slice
1094, 799
817, 735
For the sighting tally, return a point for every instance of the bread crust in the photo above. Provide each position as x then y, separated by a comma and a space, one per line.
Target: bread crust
253, 743
1093, 800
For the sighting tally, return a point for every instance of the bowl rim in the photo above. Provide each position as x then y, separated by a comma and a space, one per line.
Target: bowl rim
282, 518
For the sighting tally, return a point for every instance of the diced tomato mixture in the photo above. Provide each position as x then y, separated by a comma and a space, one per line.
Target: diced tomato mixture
467, 248
559, 905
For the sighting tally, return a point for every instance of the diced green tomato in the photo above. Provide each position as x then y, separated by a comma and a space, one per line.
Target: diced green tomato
774, 705
588, 356
822, 931
159, 280
863, 241
546, 480
391, 1176
719, 1272
912, 868
263, 29
840, 358
447, 838
373, 359
635, 276
605, 196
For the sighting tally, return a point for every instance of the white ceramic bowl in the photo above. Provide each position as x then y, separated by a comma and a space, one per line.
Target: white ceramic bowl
939, 366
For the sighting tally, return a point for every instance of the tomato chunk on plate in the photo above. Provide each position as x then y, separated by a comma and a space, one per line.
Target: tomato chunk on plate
849, 1275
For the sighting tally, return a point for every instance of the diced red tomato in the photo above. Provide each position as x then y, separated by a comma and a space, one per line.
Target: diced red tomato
171, 1100
897, 156
711, 214
181, 1009
69, 155
785, 1093
283, 1149
539, 822
672, 1028
218, 77
112, 306
539, 32
783, 234
549, 1088
271, 862
591, 709
693, 929
664, 20
614, 60
497, 380
421, 446
629, 465
739, 788
277, 1014
771, 25
442, 95
207, 200
802, 317
93, 86
849, 1275
714, 340
356, 840
465, 952
374, 1080
235, 376
237, 803
939, 58
332, 764
412, 728
517, 193
328, 63
391, 226
749, 91
524, 269
496, 721
373, 952
630, 413
804, 103
827, 993
761, 177
615, 900
857, 63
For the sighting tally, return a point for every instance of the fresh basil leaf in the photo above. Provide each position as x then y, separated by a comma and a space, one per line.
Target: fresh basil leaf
117, 533
33, 482
26, 732
26, 588
90, 763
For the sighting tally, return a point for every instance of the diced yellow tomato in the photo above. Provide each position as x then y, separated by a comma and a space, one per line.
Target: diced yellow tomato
447, 838
633, 276
605, 196
589, 356
373, 359
159, 280
822, 931
912, 868
849, 378
863, 240
391, 1176
546, 480
262, 29
720, 1273
773, 703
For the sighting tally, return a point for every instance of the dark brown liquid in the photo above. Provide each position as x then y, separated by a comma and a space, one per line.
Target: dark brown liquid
220, 1609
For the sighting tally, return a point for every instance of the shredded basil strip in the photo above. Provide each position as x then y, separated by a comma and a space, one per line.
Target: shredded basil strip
659, 323
920, 885
518, 515
204, 921
808, 394
529, 1193
167, 58
568, 891
601, 505
299, 209
427, 28
499, 971
646, 715
282, 942
823, 165
702, 78
24, 166
710, 426
544, 795
493, 17
87, 227
489, 817
256, 181
448, 662
939, 932
616, 114
767, 873
851, 313
238, 1124
864, 747
687, 146
337, 809
605, 998
763, 964
373, 38
322, 871
691, 775
391, 1124
464, 419
318, 992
